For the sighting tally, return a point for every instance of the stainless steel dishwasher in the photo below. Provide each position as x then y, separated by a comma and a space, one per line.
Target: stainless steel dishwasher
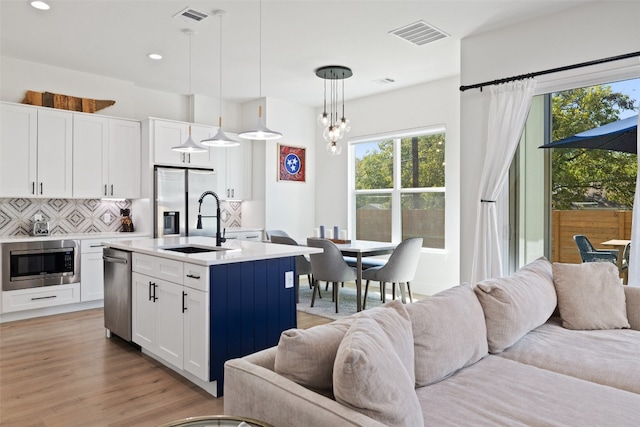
117, 292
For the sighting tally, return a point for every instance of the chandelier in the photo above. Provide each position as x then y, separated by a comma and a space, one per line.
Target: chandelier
334, 127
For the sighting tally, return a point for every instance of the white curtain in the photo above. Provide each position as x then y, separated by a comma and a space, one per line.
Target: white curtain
634, 255
508, 111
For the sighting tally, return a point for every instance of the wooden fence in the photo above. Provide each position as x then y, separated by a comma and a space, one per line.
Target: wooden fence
598, 225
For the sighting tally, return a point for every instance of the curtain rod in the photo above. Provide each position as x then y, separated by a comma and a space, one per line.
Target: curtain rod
550, 71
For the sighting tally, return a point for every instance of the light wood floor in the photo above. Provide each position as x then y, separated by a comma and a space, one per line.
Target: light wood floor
62, 371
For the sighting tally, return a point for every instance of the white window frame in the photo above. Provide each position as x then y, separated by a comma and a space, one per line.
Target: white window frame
396, 191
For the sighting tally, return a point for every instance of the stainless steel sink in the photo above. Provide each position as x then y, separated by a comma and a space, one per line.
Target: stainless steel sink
193, 249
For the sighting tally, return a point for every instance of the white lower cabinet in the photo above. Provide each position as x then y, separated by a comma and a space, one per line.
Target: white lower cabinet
169, 319
92, 269
45, 296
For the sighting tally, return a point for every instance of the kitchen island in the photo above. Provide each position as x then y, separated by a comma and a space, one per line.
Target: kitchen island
195, 306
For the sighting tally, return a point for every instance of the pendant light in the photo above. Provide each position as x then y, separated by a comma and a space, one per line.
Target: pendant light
220, 139
190, 146
261, 131
334, 128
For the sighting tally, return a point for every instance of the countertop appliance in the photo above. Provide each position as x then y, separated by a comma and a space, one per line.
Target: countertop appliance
117, 292
40, 263
177, 191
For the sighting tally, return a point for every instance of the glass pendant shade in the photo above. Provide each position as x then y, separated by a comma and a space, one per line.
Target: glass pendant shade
334, 148
261, 132
190, 146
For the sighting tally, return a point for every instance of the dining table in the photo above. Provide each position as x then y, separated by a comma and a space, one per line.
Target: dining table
618, 244
359, 249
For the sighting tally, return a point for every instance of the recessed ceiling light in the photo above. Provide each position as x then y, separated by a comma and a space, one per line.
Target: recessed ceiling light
40, 5
155, 56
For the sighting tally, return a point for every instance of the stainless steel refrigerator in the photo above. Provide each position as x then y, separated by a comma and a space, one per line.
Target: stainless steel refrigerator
177, 192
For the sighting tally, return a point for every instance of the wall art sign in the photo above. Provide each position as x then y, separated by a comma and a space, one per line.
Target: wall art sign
291, 163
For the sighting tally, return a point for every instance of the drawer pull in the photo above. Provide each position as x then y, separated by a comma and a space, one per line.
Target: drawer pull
49, 297
184, 306
193, 276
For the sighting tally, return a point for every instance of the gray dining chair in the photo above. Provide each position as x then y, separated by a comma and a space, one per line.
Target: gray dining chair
271, 233
328, 266
303, 265
400, 269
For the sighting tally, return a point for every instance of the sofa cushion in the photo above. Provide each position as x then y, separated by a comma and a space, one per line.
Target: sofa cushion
306, 356
590, 296
607, 357
516, 304
449, 333
500, 392
370, 373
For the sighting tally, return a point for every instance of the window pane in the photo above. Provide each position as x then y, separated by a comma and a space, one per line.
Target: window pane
423, 216
374, 165
373, 217
423, 161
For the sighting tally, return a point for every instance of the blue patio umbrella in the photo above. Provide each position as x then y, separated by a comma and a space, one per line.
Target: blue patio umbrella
617, 136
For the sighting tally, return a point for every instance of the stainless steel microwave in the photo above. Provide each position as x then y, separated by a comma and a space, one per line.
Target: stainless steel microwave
40, 263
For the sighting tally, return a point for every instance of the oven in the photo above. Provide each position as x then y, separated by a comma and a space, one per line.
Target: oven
40, 263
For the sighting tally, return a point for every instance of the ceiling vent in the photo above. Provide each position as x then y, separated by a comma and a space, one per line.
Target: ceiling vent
419, 33
190, 14
384, 81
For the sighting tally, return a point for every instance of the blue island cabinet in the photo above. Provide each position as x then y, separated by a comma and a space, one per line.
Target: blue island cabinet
249, 306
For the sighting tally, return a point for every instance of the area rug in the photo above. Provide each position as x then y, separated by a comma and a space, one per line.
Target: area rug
326, 308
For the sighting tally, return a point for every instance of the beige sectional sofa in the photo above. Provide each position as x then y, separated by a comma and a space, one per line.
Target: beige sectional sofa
553, 345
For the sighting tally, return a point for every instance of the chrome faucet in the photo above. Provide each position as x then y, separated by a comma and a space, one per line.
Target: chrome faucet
219, 237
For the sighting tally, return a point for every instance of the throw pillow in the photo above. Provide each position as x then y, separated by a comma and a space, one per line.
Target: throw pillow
369, 375
590, 296
306, 356
516, 304
449, 333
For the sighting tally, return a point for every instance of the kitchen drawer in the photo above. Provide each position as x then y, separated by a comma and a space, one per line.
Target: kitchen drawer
46, 296
196, 277
88, 246
161, 268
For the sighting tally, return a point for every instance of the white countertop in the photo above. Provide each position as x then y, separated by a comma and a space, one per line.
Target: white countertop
236, 250
118, 234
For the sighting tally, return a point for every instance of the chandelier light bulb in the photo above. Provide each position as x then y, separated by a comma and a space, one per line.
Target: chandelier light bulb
323, 119
345, 124
334, 148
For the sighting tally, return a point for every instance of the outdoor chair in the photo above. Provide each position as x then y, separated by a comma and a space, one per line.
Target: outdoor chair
590, 254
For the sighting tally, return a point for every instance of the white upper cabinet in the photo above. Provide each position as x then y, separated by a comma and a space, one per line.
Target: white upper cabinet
168, 134
36, 152
234, 171
124, 159
106, 157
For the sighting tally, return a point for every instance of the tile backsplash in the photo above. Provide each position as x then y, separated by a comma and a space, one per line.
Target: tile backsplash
68, 216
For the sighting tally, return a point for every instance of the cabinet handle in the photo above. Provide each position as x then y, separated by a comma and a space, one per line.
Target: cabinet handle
233, 192
152, 295
112, 189
193, 276
41, 188
33, 187
188, 157
105, 189
184, 306
228, 193
49, 297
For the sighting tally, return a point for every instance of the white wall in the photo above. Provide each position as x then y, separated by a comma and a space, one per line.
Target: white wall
419, 106
289, 205
18, 76
597, 30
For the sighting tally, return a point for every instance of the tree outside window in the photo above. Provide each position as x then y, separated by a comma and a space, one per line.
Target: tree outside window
400, 188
